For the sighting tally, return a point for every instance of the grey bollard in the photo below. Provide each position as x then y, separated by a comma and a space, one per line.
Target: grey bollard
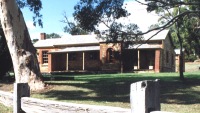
20, 90
145, 96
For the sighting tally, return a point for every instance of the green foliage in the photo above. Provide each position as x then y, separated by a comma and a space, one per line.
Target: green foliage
119, 31
34, 40
89, 14
52, 35
34, 6
183, 18
73, 28
190, 58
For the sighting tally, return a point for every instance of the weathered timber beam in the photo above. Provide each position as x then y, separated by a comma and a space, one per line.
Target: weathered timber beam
32, 105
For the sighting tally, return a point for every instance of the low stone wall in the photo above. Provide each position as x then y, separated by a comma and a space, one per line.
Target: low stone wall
6, 98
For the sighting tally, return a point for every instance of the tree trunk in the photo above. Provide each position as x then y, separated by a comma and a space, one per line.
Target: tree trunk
22, 51
181, 57
181, 64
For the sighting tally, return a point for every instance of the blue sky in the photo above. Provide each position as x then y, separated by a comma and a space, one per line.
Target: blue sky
53, 11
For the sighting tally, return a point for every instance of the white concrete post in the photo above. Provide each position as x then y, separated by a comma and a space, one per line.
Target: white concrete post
20, 90
145, 96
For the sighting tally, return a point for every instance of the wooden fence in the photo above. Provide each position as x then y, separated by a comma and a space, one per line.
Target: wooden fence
21, 102
39, 106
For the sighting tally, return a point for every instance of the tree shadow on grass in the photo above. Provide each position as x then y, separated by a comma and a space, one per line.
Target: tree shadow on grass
117, 89
179, 92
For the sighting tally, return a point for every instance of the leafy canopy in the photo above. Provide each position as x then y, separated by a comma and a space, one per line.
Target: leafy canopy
90, 14
52, 35
34, 6
182, 16
73, 28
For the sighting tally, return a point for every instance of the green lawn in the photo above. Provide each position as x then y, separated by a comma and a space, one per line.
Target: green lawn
4, 109
114, 89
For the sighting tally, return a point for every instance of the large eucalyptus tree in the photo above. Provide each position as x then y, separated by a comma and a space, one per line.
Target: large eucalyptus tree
22, 51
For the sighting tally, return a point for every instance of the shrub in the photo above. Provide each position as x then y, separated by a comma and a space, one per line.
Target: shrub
190, 58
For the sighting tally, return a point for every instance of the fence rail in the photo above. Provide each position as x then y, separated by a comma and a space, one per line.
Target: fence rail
38, 106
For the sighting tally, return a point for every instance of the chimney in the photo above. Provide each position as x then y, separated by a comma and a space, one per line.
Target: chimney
42, 36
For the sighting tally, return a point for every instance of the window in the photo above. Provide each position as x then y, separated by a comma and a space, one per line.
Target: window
45, 57
167, 56
72, 56
93, 55
172, 59
110, 55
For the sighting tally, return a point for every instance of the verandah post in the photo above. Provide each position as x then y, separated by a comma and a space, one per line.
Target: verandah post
20, 90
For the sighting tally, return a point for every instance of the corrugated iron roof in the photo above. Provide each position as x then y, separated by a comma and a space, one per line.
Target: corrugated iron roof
46, 43
160, 36
89, 39
76, 49
71, 40
78, 39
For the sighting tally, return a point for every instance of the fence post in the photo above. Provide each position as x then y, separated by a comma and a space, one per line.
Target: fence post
20, 90
145, 96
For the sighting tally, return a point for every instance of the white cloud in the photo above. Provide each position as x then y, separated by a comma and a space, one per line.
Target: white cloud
138, 16
30, 25
33, 31
63, 34
34, 35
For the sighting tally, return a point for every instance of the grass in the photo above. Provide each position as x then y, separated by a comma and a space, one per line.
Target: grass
4, 109
114, 89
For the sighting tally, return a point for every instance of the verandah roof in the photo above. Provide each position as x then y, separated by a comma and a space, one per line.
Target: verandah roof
77, 49
145, 46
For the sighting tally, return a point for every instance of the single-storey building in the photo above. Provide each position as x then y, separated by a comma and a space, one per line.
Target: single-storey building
88, 53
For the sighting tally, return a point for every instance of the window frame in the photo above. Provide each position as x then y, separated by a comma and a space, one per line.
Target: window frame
93, 55
45, 57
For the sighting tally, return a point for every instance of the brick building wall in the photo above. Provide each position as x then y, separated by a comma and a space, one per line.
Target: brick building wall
92, 63
107, 62
157, 61
168, 56
44, 66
